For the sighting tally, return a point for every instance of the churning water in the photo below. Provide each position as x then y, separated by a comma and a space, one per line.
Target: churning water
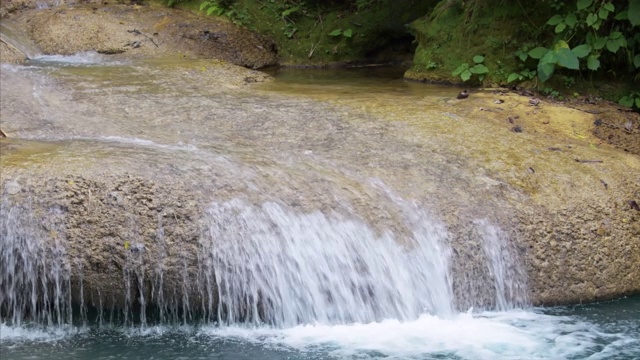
293, 285
272, 281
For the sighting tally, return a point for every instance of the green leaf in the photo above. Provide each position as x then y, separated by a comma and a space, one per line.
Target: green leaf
622, 42
460, 69
636, 61
622, 15
466, 75
290, 11
336, 32
609, 7
582, 50
513, 77
545, 71
523, 56
613, 45
634, 12
591, 19
479, 69
599, 43
560, 27
603, 14
538, 52
478, 59
348, 33
560, 45
593, 63
571, 20
549, 58
568, 59
638, 103
615, 35
555, 20
626, 101
583, 4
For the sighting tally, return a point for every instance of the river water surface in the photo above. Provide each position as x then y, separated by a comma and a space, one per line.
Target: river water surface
315, 170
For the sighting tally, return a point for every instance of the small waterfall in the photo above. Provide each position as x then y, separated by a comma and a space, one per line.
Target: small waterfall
504, 269
11, 37
265, 264
282, 268
35, 277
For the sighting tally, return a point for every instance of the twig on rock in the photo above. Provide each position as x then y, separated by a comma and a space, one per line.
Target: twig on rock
588, 161
138, 32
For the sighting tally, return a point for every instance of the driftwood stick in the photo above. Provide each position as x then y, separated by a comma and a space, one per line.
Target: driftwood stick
589, 161
138, 32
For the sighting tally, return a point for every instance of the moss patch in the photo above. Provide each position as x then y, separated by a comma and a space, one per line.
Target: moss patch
457, 31
303, 34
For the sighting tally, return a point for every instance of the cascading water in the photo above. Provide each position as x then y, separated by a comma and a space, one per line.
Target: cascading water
11, 37
278, 267
256, 264
321, 274
34, 273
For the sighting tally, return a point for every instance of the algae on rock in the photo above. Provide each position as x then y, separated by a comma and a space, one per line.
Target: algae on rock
457, 31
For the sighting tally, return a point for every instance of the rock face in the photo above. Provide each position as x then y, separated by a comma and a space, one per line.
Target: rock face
10, 55
563, 199
144, 238
584, 252
143, 31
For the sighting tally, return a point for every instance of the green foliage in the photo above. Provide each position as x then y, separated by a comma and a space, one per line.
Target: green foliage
363, 4
523, 75
348, 33
225, 8
632, 100
593, 36
466, 72
634, 12
212, 7
551, 93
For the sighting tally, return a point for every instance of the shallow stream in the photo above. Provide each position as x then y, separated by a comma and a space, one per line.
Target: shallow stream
338, 204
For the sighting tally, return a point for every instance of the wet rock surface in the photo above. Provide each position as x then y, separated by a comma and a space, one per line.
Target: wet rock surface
121, 194
10, 55
142, 31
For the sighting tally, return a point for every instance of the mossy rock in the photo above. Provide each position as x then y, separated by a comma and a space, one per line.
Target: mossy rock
456, 31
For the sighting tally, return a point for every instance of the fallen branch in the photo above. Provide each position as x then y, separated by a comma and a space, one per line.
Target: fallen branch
138, 32
588, 161
313, 49
3, 134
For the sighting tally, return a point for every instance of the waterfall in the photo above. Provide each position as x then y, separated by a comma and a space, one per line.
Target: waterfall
504, 268
11, 37
253, 264
34, 275
275, 266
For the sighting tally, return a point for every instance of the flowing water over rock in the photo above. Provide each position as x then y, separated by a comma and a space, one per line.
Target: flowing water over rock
178, 207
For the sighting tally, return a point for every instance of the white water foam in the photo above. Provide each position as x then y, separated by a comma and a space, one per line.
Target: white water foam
488, 335
77, 59
143, 142
14, 334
